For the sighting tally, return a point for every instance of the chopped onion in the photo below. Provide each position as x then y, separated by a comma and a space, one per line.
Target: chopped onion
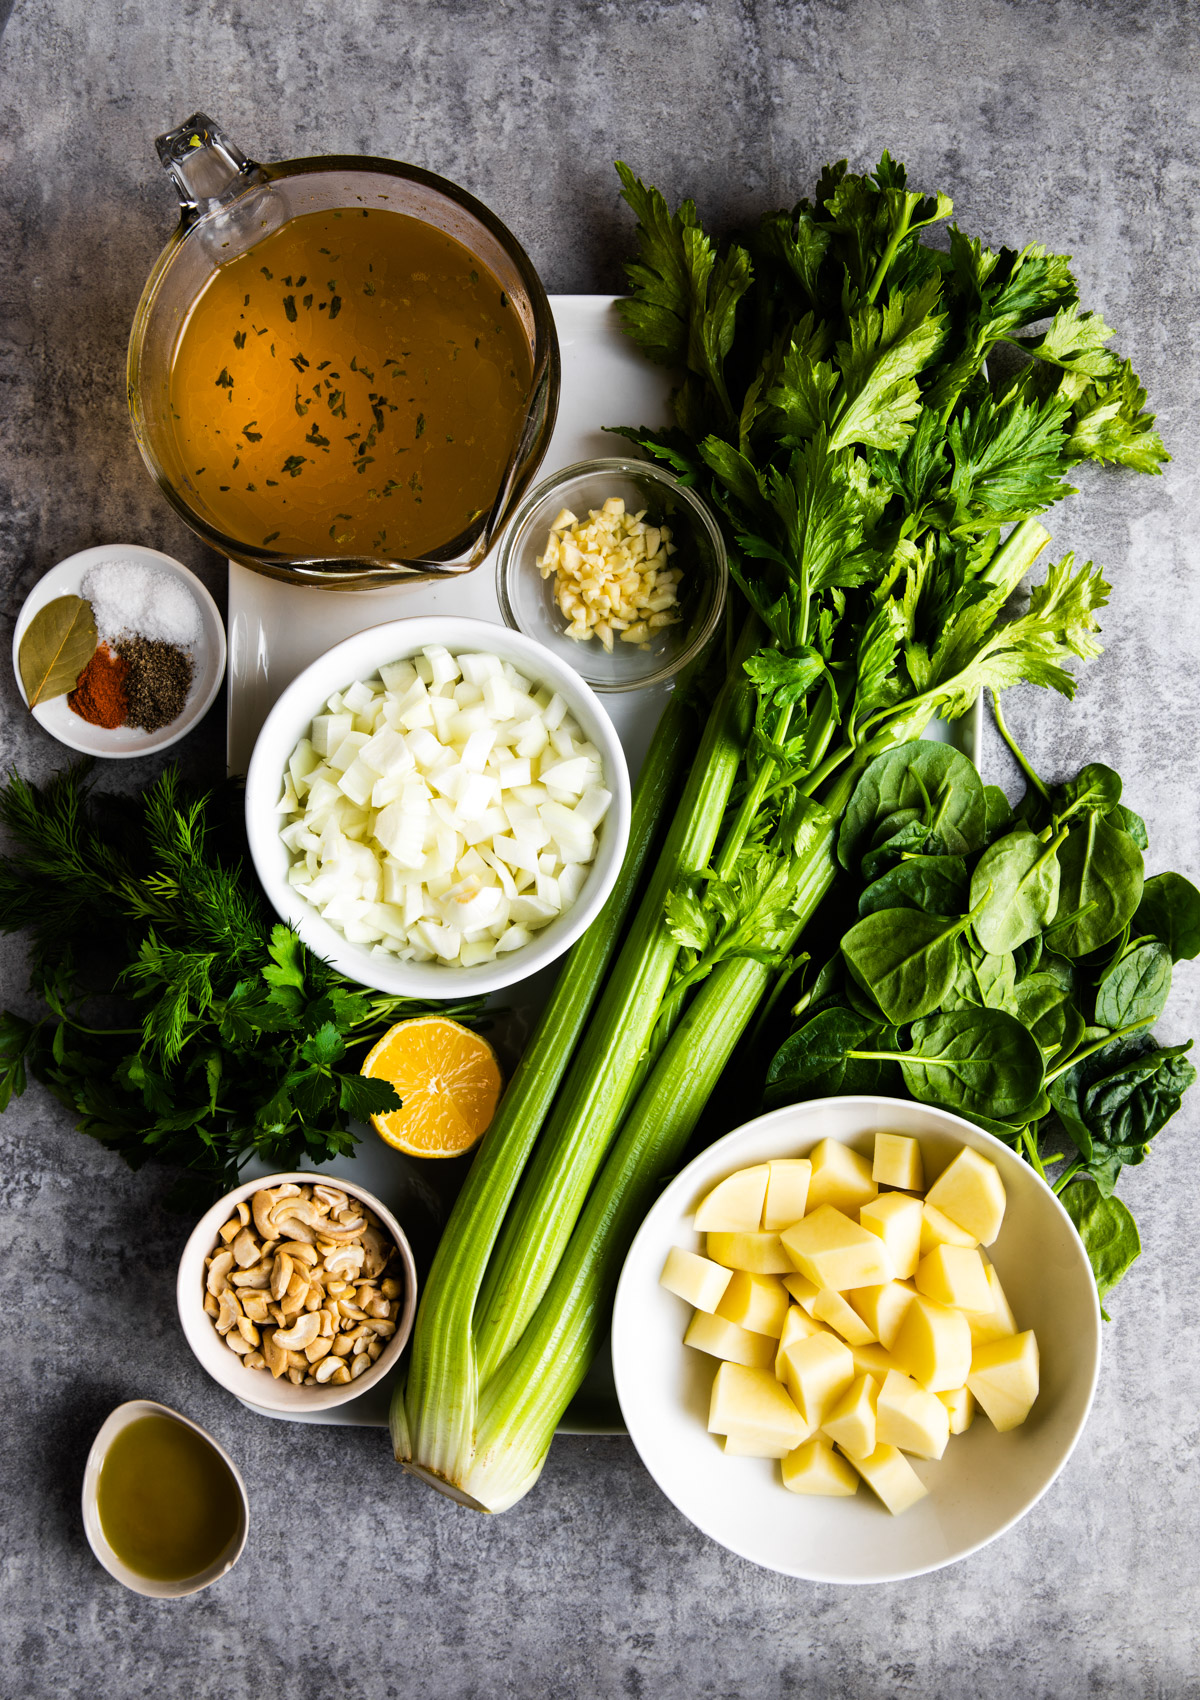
444, 810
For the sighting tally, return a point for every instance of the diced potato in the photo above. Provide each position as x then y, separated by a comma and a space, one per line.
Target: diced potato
697, 1279
872, 1360
736, 1447
960, 1408
787, 1192
816, 1372
997, 1320
971, 1193
797, 1325
751, 1405
758, 1254
757, 1302
897, 1162
816, 1468
835, 1252
1005, 1377
832, 1308
910, 1418
802, 1290
735, 1205
896, 1218
722, 1339
937, 1229
853, 1419
934, 1345
889, 1474
883, 1308
954, 1275
839, 1177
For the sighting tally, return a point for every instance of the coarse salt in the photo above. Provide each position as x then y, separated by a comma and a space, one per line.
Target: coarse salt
127, 597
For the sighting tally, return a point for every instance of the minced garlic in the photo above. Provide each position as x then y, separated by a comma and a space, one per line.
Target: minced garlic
611, 574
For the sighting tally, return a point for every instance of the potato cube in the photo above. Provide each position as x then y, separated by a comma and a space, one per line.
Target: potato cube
735, 1205
889, 1475
787, 1192
832, 1308
934, 1345
872, 1360
797, 1325
736, 1447
722, 1339
960, 1407
835, 1252
882, 1308
910, 1418
997, 1320
937, 1229
852, 1421
1004, 1378
802, 1290
896, 1218
971, 1193
751, 1405
839, 1177
897, 1162
694, 1278
757, 1302
757, 1254
954, 1275
816, 1372
816, 1468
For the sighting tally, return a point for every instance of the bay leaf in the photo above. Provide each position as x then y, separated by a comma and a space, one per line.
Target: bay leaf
58, 643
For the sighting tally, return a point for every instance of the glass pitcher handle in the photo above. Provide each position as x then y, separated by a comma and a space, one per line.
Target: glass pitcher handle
207, 169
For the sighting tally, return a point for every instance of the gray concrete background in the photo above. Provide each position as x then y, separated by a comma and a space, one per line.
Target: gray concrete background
1066, 122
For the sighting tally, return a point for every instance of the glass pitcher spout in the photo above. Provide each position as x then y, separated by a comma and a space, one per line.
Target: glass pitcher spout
207, 169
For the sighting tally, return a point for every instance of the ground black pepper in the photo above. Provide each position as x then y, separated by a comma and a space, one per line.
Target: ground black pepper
157, 684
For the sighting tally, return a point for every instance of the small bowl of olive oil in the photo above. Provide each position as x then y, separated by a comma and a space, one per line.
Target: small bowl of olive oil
164, 1507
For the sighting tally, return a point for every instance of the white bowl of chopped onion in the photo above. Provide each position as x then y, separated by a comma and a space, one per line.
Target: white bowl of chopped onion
439, 807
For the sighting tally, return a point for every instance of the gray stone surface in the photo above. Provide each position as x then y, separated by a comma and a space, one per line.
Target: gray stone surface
1064, 121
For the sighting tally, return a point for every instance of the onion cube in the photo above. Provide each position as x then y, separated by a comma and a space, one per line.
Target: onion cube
476, 793
328, 730
357, 782
347, 750
402, 835
593, 805
444, 668
511, 773
358, 697
534, 738
397, 676
477, 669
423, 746
498, 697
477, 749
512, 939
570, 776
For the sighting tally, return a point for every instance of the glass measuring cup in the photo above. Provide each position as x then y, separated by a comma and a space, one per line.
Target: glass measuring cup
229, 204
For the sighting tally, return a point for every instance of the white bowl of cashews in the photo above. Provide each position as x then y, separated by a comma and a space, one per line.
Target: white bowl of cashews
287, 1275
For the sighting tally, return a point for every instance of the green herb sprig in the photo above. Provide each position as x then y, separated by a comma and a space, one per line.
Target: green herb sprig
179, 1024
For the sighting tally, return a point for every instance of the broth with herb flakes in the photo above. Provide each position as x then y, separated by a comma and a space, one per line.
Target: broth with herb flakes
354, 384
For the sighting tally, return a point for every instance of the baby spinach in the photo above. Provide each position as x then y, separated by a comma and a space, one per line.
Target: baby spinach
1096, 789
817, 1062
1015, 887
935, 884
1099, 889
1170, 911
974, 1061
1113, 1101
1134, 991
933, 779
904, 959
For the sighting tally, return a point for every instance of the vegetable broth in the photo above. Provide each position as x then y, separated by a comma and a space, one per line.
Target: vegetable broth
168, 1503
354, 384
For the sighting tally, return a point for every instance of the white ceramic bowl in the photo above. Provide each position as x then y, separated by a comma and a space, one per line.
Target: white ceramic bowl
984, 1482
257, 1386
156, 1590
208, 654
358, 658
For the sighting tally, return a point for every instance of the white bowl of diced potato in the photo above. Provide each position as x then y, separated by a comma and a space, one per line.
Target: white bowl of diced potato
294, 744
856, 1339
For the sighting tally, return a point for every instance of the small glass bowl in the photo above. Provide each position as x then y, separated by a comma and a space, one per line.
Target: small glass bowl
527, 599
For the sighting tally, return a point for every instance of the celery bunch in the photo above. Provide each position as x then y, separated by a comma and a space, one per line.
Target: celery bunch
877, 485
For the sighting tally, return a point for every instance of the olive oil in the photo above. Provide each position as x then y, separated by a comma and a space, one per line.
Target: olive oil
354, 384
168, 1503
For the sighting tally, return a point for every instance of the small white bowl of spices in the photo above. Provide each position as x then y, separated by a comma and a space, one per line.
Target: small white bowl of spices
617, 568
120, 650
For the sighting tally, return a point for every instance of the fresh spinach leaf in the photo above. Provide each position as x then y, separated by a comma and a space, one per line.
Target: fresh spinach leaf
1099, 889
1095, 789
1041, 1004
976, 1061
1015, 890
1135, 990
1133, 824
925, 776
1113, 1102
814, 1063
935, 884
1107, 1229
1170, 911
998, 816
904, 959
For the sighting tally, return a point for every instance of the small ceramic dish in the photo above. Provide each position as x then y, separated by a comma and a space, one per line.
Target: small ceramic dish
154, 1589
208, 654
290, 719
257, 1386
527, 599
985, 1482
